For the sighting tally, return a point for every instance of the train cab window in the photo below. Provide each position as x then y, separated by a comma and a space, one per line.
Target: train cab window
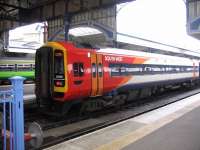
58, 62
78, 69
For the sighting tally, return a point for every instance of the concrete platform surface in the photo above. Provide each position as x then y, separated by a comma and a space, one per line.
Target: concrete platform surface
173, 127
181, 134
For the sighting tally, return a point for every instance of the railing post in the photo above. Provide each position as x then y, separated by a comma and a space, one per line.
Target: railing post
18, 112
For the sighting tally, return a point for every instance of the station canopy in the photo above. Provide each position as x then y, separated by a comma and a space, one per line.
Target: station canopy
15, 13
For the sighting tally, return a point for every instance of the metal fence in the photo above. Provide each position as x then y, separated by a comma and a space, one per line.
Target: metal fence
11, 104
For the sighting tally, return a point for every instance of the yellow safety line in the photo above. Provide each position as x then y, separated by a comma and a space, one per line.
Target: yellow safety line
144, 131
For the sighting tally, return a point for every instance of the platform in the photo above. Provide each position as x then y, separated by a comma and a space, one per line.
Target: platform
173, 127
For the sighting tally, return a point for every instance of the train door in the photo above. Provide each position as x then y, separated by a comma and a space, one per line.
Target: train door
97, 74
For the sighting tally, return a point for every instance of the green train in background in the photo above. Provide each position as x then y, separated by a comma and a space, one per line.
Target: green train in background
10, 67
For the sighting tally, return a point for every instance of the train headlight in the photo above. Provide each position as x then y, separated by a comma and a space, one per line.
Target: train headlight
59, 83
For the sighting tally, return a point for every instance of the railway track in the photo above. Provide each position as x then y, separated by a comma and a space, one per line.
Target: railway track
74, 126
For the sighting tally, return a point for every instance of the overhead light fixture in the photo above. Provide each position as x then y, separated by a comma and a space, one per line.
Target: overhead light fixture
84, 31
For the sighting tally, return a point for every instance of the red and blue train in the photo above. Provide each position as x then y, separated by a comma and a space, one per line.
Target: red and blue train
67, 75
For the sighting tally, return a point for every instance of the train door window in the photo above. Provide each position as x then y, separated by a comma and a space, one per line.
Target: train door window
78, 69
93, 70
100, 70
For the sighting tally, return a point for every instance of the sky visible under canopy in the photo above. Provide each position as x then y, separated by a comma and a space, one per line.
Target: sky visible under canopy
159, 20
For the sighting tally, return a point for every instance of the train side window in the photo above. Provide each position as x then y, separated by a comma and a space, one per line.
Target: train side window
148, 69
78, 69
81, 69
122, 70
115, 69
75, 69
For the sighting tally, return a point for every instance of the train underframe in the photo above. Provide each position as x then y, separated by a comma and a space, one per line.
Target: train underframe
120, 97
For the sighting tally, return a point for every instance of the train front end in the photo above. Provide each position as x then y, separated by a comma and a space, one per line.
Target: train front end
50, 73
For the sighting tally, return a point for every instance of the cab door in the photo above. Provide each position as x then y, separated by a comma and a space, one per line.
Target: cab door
96, 74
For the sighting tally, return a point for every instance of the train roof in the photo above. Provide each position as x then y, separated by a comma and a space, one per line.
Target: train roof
137, 53
149, 47
158, 47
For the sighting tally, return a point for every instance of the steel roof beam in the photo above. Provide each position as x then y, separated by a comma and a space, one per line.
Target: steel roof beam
12, 6
8, 17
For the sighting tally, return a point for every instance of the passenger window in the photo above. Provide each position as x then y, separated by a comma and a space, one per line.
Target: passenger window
78, 69
75, 68
115, 69
81, 69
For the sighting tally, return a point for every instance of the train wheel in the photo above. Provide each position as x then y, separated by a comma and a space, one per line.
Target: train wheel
65, 109
132, 95
120, 99
145, 92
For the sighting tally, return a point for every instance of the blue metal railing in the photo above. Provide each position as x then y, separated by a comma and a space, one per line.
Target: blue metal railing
11, 102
